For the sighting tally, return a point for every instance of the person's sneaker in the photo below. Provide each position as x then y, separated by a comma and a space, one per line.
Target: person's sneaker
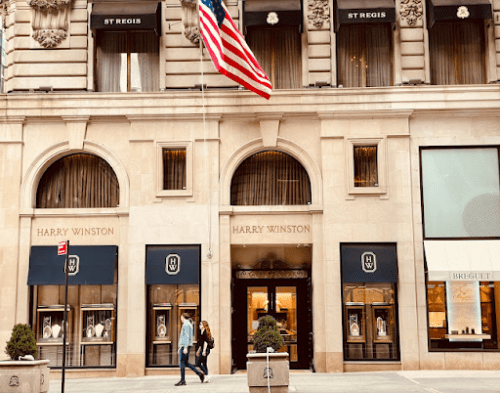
202, 377
180, 383
207, 378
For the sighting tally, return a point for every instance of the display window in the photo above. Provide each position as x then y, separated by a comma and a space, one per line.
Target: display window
173, 289
370, 321
91, 308
91, 335
463, 315
166, 304
370, 308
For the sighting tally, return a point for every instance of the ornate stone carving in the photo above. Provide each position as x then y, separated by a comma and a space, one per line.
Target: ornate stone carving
4, 9
190, 20
14, 380
271, 267
50, 21
411, 11
319, 12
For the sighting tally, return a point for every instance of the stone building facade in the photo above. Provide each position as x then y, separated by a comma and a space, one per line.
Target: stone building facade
175, 187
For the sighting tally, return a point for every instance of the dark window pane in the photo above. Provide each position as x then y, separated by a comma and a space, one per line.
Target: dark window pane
174, 169
365, 166
278, 51
78, 181
364, 55
457, 53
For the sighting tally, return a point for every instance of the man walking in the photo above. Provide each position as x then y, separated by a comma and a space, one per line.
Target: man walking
185, 342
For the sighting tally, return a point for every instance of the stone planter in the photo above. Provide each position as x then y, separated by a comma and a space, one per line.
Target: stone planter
24, 376
259, 373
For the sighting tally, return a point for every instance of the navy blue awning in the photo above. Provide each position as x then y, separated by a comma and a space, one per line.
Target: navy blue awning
173, 265
371, 262
89, 265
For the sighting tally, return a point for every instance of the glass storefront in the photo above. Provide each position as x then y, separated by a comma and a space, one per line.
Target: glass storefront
91, 310
370, 324
370, 307
173, 289
463, 315
166, 304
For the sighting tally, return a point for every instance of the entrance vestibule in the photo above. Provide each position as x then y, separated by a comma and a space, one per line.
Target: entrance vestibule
273, 286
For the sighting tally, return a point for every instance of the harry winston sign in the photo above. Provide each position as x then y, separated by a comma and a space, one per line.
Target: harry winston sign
369, 262
172, 264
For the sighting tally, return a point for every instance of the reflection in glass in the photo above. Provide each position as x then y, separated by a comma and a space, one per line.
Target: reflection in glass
258, 304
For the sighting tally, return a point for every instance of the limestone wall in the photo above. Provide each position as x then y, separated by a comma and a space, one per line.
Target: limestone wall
30, 64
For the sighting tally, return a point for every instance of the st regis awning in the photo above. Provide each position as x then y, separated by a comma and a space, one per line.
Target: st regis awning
462, 260
126, 16
369, 262
89, 265
457, 10
364, 11
173, 264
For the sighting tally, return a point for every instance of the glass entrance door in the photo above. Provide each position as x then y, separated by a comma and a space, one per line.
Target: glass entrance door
287, 302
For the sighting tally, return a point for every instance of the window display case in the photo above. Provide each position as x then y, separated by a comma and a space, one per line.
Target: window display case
383, 320
97, 323
49, 332
161, 333
355, 322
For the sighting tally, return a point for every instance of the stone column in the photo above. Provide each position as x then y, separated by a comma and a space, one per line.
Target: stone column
13, 275
414, 53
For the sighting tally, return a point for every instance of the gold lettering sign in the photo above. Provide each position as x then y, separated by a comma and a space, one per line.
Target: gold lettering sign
58, 232
270, 229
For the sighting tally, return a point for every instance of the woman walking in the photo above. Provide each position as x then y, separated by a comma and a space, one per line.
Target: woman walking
203, 348
185, 341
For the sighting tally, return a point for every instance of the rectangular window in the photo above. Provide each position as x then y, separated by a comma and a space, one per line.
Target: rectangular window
461, 192
127, 61
166, 304
463, 315
364, 55
279, 53
365, 166
370, 321
174, 164
457, 53
174, 169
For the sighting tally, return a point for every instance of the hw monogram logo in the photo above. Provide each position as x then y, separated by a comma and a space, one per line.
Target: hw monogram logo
369, 262
172, 264
73, 265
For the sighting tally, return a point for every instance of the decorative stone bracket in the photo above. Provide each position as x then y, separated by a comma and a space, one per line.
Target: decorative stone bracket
50, 21
318, 12
190, 20
411, 11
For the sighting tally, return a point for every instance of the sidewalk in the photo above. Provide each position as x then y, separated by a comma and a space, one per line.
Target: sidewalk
387, 382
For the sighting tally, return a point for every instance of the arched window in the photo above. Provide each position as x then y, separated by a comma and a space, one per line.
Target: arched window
78, 181
270, 178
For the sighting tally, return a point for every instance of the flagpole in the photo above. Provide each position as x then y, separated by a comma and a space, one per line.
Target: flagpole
65, 317
205, 147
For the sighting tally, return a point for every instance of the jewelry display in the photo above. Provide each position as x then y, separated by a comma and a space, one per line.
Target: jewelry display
98, 329
162, 329
90, 327
47, 329
381, 327
56, 329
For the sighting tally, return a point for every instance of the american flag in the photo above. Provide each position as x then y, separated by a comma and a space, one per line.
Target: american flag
228, 49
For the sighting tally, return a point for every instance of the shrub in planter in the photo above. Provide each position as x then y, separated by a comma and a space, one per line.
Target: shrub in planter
267, 335
21, 343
